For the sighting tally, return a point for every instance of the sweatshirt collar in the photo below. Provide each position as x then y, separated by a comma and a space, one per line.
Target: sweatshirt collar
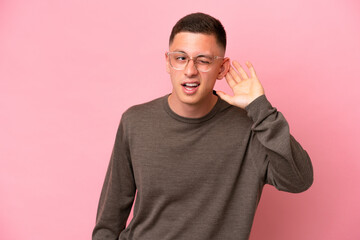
219, 105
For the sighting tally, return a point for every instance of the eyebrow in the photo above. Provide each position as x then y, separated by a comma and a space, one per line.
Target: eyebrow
203, 55
199, 55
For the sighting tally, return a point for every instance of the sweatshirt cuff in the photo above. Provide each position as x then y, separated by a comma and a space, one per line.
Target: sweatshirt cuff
259, 108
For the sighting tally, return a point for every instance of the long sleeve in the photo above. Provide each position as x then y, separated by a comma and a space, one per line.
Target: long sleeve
118, 191
278, 157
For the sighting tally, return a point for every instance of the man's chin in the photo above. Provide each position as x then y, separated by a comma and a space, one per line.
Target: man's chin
190, 99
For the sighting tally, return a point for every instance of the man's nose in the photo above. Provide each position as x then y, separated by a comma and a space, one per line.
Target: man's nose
190, 69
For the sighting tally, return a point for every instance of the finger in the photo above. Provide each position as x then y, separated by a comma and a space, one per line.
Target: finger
235, 75
224, 96
241, 70
230, 80
251, 69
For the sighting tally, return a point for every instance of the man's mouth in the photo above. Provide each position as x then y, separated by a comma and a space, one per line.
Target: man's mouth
190, 86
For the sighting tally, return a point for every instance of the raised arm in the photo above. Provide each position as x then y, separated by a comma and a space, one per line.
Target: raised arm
278, 157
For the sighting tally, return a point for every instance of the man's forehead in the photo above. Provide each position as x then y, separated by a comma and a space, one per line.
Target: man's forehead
195, 43
193, 37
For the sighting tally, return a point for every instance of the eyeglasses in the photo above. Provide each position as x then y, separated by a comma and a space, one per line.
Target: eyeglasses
179, 61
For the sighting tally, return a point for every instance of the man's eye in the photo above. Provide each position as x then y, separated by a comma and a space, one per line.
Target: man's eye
203, 61
181, 58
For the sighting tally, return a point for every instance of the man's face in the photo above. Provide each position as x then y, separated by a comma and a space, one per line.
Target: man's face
202, 83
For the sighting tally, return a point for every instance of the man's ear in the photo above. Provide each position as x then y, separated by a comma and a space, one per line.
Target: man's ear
167, 63
224, 69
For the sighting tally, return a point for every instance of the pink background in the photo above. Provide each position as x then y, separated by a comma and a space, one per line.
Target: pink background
68, 70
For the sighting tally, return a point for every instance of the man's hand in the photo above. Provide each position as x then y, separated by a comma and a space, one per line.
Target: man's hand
246, 89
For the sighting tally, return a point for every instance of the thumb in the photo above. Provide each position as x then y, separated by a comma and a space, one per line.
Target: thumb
224, 96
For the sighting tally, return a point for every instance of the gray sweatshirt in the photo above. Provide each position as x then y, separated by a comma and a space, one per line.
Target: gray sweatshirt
196, 178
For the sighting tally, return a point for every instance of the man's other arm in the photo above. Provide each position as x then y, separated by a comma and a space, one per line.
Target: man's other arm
118, 191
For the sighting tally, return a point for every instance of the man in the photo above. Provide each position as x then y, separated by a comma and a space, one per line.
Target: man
198, 158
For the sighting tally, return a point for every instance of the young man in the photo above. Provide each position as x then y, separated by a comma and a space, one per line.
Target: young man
198, 158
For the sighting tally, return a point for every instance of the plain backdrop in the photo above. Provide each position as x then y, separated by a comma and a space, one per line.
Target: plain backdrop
70, 68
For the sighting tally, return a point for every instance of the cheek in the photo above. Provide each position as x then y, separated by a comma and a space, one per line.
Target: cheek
210, 78
174, 76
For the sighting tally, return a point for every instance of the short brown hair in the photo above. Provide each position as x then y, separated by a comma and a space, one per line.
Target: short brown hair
200, 23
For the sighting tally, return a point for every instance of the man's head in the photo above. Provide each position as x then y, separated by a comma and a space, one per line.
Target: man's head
196, 60
200, 23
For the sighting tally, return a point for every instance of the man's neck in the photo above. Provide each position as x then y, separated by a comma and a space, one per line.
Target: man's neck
192, 110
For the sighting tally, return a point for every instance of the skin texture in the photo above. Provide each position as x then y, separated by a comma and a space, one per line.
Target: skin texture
245, 88
196, 105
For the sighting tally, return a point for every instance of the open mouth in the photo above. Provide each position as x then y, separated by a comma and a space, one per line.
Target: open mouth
190, 86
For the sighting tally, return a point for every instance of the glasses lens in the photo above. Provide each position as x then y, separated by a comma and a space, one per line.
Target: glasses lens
179, 61
203, 63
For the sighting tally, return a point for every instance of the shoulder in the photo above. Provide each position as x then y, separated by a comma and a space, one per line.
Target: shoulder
232, 112
233, 122
144, 110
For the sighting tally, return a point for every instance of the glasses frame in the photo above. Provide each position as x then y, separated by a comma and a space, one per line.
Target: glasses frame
194, 60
